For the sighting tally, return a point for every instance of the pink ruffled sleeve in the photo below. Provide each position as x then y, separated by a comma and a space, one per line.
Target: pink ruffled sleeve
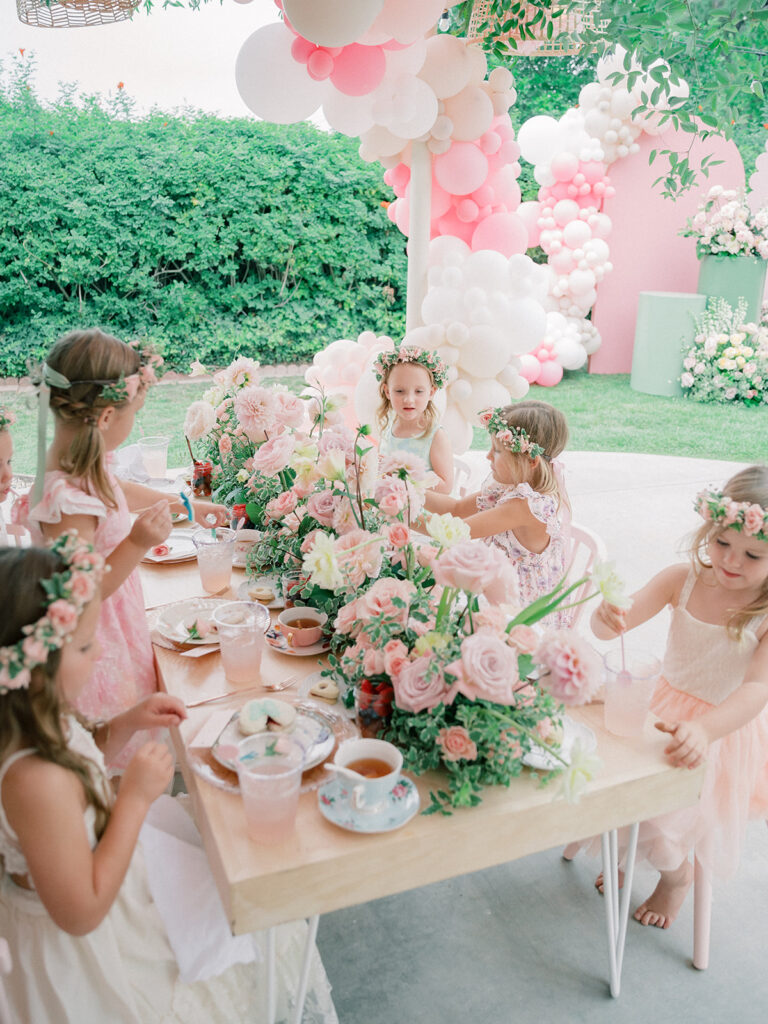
543, 506
62, 498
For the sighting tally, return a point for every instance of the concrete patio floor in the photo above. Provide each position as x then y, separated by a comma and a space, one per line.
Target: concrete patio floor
525, 942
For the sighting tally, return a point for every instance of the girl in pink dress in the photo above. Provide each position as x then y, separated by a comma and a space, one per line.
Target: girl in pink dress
714, 688
97, 385
522, 507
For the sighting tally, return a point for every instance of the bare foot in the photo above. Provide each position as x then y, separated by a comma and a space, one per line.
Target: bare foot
663, 905
600, 882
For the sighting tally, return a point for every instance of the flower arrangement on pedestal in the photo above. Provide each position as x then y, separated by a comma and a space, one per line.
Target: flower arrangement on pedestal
724, 225
728, 361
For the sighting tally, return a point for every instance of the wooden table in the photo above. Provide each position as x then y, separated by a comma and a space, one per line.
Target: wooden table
324, 868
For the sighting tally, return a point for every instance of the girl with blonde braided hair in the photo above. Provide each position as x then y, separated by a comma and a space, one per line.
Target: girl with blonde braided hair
96, 385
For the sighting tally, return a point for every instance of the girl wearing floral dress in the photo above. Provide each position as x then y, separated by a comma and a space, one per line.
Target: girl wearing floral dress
522, 507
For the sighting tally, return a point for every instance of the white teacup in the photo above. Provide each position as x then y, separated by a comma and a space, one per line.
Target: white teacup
378, 765
301, 626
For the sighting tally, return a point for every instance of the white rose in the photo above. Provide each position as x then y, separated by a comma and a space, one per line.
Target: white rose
610, 584
199, 420
447, 530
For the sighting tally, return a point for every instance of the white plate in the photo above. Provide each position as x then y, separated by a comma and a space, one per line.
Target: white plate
181, 548
538, 757
172, 620
311, 730
309, 681
244, 541
278, 643
262, 581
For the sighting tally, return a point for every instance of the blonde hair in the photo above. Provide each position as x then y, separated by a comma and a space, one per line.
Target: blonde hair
32, 717
430, 415
750, 485
89, 359
546, 426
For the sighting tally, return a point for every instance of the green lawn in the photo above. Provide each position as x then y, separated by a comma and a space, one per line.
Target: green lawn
604, 414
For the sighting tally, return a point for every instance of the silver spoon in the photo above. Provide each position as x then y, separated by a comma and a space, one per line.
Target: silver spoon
330, 767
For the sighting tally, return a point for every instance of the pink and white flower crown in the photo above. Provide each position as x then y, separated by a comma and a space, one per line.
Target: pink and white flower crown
412, 354
7, 418
745, 517
67, 594
117, 390
514, 438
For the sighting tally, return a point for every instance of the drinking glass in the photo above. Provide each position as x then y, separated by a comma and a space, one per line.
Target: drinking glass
629, 684
269, 769
241, 626
154, 455
215, 549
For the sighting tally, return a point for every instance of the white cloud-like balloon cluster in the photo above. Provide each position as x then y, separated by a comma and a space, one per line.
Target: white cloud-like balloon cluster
758, 183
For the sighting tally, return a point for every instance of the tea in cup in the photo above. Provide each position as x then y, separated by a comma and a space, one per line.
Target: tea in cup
378, 765
301, 627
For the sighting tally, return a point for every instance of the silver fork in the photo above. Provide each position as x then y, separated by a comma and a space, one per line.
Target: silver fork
283, 684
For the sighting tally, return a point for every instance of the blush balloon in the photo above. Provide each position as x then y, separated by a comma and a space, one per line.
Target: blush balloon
551, 373
504, 232
462, 169
358, 69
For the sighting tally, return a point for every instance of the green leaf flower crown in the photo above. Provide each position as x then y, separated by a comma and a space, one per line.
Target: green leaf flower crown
745, 517
514, 438
412, 354
7, 418
67, 594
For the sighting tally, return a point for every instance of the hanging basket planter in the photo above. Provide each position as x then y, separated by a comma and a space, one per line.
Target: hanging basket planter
531, 34
74, 13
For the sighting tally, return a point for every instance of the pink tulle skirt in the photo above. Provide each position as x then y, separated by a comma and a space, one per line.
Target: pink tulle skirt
735, 790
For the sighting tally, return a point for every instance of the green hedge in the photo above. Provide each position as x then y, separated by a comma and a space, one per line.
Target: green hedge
206, 235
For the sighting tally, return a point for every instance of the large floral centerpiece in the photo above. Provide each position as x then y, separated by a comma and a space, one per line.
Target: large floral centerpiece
724, 225
728, 361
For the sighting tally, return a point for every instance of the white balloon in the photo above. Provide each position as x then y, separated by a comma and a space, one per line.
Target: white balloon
518, 388
457, 333
460, 389
527, 325
265, 58
539, 139
407, 61
459, 431
471, 112
487, 353
448, 251
576, 233
405, 20
447, 66
485, 393
449, 354
350, 115
565, 211
441, 306
415, 107
332, 22
381, 141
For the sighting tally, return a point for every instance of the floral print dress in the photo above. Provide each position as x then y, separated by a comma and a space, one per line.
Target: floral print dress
537, 574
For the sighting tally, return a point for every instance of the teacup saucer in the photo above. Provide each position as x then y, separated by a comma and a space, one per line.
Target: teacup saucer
334, 801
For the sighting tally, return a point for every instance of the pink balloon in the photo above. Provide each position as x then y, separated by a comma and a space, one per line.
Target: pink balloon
551, 373
462, 169
564, 166
530, 367
504, 232
593, 171
402, 214
319, 65
358, 69
467, 210
441, 201
451, 225
484, 195
392, 211
529, 215
397, 178
302, 49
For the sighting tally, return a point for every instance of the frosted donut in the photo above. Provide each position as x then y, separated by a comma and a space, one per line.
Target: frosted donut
325, 689
265, 712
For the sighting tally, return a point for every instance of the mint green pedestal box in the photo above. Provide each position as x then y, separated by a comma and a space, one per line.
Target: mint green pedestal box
663, 333
732, 278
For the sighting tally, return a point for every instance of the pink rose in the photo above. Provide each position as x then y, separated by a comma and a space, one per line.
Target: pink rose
524, 638
491, 618
359, 555
485, 417
321, 506
82, 586
289, 409
309, 540
63, 616
255, 410
456, 744
344, 517
426, 554
415, 467
225, 444
34, 650
487, 669
754, 518
373, 662
398, 535
421, 686
273, 455
340, 438
391, 495
19, 682
573, 669
379, 599
395, 657
348, 620
87, 560
479, 568
282, 505
223, 411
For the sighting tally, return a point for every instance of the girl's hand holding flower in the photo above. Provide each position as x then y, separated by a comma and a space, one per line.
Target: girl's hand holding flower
610, 617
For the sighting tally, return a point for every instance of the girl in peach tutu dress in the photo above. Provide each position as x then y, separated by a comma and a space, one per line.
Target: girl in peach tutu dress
88, 942
97, 385
712, 697
522, 506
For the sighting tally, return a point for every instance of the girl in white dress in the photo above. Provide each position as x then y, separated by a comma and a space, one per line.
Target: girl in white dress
87, 942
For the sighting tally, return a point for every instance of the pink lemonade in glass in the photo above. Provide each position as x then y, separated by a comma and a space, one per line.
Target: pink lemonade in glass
215, 549
241, 626
269, 770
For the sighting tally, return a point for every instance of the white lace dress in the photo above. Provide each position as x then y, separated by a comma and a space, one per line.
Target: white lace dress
124, 972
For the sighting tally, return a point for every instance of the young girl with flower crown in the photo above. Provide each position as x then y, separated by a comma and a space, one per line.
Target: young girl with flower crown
97, 385
712, 697
7, 419
409, 378
522, 507
87, 942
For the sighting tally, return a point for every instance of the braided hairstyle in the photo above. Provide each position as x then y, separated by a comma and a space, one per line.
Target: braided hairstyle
33, 717
89, 360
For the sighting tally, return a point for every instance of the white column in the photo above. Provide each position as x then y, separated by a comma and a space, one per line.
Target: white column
420, 200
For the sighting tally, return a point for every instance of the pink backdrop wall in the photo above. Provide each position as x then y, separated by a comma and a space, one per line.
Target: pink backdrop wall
646, 251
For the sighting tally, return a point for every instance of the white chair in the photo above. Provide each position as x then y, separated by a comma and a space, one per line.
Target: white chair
5, 968
462, 473
586, 549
